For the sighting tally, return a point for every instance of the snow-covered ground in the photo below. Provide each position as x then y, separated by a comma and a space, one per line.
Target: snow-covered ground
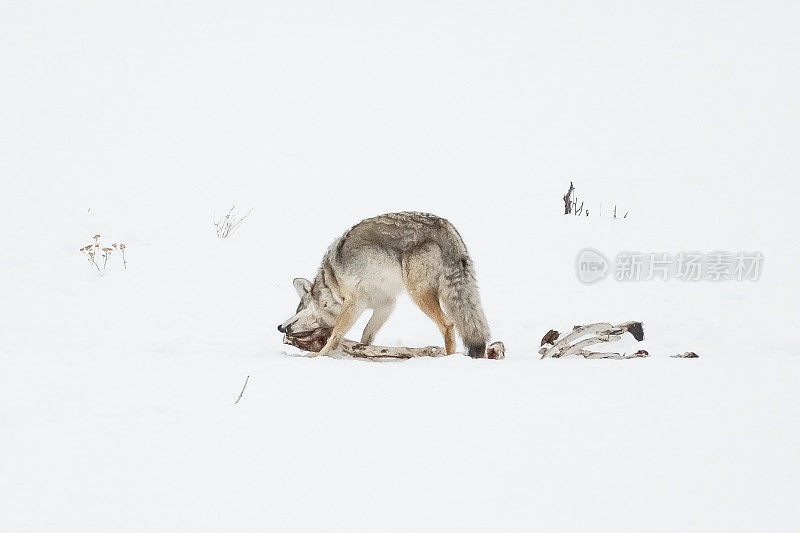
138, 121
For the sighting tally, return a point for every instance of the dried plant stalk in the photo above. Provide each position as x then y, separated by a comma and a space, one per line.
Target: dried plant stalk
94, 249
243, 387
229, 224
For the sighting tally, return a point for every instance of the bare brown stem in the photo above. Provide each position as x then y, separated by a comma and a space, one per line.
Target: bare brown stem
243, 387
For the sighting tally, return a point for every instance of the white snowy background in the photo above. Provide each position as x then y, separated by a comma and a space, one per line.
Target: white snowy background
140, 120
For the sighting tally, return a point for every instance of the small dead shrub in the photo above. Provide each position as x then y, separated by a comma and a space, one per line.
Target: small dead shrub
571, 206
229, 224
95, 252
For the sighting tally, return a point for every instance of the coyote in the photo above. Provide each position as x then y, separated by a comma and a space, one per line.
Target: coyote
368, 266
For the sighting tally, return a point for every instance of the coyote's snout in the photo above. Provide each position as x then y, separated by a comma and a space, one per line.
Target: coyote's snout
368, 266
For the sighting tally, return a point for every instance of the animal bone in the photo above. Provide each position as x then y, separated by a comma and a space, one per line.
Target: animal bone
574, 343
313, 341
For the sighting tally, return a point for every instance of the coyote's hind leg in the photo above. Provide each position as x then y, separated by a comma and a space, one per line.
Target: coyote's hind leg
428, 302
421, 278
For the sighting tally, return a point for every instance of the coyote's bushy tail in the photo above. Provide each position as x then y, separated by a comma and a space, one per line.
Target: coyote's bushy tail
459, 294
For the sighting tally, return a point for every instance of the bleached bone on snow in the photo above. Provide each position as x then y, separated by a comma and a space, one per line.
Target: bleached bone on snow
613, 355
576, 341
315, 340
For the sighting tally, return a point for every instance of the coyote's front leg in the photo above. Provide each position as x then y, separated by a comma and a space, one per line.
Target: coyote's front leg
346, 319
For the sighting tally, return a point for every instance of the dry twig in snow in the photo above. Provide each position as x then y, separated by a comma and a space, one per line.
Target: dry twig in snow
243, 387
229, 224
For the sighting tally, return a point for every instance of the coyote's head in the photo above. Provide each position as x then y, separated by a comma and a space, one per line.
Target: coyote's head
318, 308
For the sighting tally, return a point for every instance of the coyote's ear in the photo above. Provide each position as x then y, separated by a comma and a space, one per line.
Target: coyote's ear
302, 286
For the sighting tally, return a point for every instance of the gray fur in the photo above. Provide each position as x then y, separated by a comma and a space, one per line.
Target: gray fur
368, 266
459, 295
